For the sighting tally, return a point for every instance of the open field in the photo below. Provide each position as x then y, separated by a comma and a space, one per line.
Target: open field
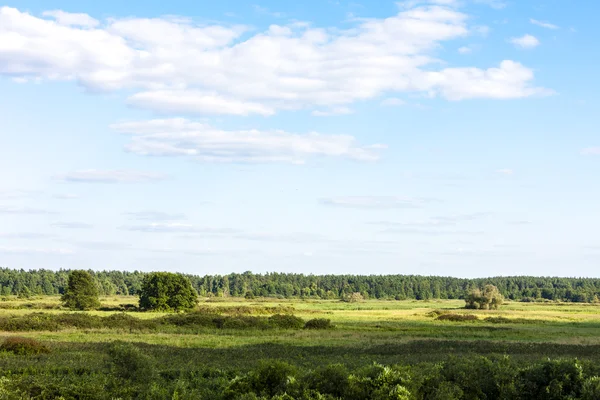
387, 332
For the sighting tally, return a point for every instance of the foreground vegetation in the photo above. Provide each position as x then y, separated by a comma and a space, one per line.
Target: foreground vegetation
238, 348
399, 287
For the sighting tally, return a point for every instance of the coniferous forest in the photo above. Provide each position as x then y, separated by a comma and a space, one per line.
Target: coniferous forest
286, 285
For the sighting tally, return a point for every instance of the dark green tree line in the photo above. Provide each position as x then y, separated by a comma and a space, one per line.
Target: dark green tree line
527, 288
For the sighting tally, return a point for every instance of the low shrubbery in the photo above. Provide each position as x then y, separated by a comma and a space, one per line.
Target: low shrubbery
457, 317
23, 346
318, 323
183, 321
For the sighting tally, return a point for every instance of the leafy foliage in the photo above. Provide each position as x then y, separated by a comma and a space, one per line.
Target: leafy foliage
23, 346
164, 291
318, 323
81, 292
489, 298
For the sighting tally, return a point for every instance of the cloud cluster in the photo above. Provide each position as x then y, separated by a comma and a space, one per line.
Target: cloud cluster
7, 209
175, 65
181, 137
525, 41
110, 176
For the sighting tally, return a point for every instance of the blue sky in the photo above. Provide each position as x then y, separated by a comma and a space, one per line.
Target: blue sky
440, 137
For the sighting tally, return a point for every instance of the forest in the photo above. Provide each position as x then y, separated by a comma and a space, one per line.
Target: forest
25, 283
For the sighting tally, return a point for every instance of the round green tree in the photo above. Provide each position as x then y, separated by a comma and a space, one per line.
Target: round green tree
81, 292
165, 291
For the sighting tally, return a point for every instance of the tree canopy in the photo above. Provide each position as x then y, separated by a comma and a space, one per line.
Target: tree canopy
290, 285
81, 292
164, 291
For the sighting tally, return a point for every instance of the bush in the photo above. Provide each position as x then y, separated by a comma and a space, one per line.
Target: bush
286, 321
489, 298
128, 362
24, 346
318, 323
457, 317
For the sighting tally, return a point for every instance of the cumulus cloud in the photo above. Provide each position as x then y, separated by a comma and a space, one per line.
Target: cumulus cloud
375, 202
543, 24
332, 111
176, 65
72, 19
107, 176
181, 137
72, 225
525, 41
465, 50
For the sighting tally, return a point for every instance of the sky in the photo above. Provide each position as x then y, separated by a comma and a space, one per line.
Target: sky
441, 137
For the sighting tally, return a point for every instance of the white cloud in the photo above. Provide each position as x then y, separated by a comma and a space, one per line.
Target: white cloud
297, 237
543, 24
108, 176
175, 65
7, 209
505, 171
72, 19
66, 196
332, 111
72, 225
194, 102
497, 4
392, 101
181, 137
24, 235
591, 151
505, 82
31, 251
175, 227
525, 41
441, 221
375, 202
154, 216
465, 50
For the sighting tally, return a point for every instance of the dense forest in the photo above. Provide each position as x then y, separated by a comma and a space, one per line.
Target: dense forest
46, 282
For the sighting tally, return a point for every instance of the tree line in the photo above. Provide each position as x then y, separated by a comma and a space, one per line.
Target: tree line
288, 285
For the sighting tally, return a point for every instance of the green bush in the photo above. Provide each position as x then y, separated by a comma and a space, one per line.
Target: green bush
457, 317
318, 323
282, 321
128, 362
23, 346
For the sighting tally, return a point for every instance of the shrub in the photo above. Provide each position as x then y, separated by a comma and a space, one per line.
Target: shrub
332, 379
23, 346
286, 321
489, 298
355, 297
318, 323
81, 292
457, 317
128, 362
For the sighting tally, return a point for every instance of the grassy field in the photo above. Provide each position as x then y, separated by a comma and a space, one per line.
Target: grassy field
545, 329
387, 332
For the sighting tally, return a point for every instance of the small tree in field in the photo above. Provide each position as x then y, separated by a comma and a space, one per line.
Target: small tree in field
164, 291
489, 298
81, 292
